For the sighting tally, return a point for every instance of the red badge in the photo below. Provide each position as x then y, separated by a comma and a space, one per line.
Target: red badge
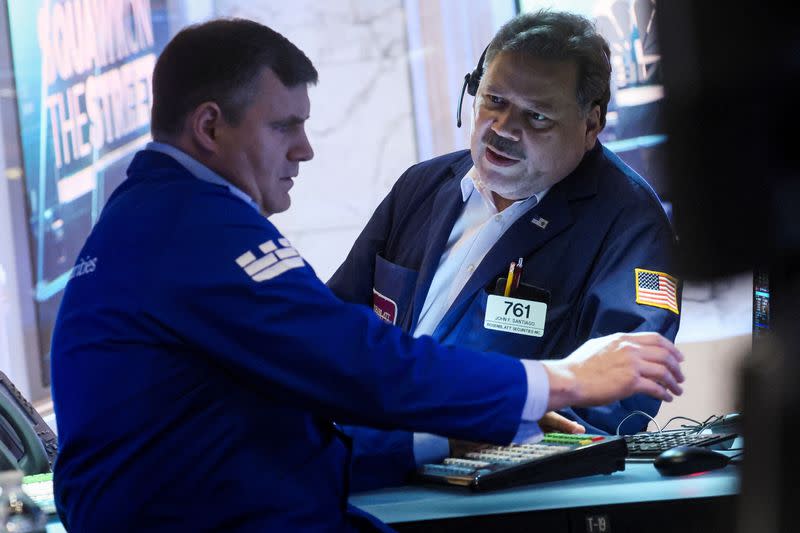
384, 307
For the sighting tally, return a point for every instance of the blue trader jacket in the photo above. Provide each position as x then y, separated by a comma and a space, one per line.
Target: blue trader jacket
582, 247
197, 363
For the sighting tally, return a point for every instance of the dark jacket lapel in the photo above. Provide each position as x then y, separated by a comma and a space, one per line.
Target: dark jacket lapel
446, 209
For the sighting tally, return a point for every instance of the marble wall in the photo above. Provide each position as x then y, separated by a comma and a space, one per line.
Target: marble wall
361, 124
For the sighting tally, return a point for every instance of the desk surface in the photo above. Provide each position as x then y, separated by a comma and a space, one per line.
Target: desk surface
638, 483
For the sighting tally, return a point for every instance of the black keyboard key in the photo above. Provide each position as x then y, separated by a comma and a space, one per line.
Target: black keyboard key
647, 446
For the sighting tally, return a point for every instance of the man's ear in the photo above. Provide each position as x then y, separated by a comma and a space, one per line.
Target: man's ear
592, 127
204, 124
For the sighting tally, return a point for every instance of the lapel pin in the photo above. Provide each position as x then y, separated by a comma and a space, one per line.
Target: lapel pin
539, 221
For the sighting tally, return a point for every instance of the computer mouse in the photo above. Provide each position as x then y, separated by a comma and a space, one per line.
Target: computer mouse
683, 460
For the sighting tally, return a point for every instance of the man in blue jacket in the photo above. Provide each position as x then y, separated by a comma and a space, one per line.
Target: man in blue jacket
536, 189
197, 367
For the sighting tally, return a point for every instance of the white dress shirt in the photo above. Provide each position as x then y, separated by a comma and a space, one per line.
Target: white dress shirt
476, 230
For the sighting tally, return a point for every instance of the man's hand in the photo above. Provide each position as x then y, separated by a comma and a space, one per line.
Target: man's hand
614, 367
554, 422
549, 423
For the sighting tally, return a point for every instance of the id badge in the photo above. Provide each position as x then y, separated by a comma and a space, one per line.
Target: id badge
384, 307
515, 315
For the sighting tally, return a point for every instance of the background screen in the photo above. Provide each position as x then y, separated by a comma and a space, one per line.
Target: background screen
83, 86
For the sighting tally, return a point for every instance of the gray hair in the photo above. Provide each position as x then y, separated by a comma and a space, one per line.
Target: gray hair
561, 36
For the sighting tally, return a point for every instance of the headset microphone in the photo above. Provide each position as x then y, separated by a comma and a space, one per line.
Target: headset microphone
471, 82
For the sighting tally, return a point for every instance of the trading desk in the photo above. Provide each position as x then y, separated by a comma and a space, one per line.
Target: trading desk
638, 499
635, 500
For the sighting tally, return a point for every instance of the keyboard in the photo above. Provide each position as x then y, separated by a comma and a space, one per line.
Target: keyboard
648, 446
556, 456
40, 489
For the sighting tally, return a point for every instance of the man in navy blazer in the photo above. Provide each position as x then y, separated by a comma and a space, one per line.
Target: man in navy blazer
536, 189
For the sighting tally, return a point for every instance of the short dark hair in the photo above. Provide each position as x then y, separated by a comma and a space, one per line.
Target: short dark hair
562, 36
221, 61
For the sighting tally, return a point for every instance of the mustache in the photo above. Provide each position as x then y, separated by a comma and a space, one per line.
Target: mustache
504, 145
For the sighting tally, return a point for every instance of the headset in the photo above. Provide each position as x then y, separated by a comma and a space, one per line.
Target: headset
471, 82
473, 79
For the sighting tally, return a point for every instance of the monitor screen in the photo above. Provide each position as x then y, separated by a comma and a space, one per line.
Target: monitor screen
82, 74
761, 316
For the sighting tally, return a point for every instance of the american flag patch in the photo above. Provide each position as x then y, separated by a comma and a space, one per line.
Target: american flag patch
656, 289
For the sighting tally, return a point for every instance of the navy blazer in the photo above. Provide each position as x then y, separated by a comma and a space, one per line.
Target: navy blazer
581, 244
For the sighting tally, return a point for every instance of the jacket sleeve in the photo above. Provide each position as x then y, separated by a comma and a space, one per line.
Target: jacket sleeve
283, 332
380, 458
638, 239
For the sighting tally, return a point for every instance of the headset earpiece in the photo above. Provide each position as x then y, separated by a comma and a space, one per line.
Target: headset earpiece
471, 82
474, 80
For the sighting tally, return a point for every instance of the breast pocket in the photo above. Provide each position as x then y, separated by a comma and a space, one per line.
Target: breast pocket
393, 291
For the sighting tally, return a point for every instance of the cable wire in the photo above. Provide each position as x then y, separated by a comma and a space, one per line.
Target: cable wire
638, 413
697, 424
